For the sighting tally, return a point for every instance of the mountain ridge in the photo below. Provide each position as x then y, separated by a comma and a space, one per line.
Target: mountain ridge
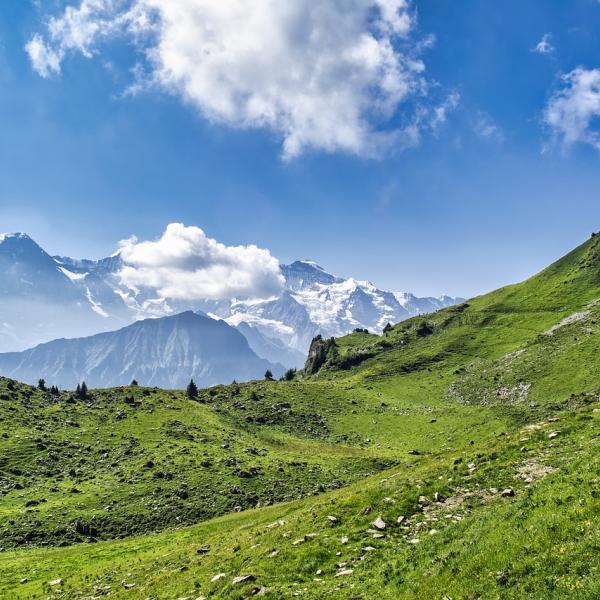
164, 352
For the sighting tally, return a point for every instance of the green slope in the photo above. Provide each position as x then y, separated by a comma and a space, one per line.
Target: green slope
464, 403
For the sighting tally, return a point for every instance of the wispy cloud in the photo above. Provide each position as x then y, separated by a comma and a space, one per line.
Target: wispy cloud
328, 75
485, 128
544, 46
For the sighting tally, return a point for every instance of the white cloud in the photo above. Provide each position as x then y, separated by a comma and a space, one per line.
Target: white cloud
570, 112
326, 75
485, 128
439, 114
544, 46
185, 264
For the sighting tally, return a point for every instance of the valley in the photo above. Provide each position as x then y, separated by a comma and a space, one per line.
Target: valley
455, 455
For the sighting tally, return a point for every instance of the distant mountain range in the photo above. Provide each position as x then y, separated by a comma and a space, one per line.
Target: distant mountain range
164, 352
316, 302
45, 297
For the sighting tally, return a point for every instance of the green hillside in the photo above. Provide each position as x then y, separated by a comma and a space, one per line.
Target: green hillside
455, 456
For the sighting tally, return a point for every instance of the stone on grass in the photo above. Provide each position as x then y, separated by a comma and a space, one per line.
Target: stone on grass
507, 493
54, 582
243, 579
344, 539
400, 519
379, 524
218, 577
344, 572
552, 435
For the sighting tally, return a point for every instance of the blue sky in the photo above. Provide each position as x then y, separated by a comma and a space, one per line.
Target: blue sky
485, 198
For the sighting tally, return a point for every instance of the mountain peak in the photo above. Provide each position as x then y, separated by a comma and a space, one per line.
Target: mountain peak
14, 235
309, 263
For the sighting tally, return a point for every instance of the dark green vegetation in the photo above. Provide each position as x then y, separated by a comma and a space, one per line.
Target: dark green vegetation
478, 426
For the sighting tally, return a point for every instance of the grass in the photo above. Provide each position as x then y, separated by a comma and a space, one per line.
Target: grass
463, 403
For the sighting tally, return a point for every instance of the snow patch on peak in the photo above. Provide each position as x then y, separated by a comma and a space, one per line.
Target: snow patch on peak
311, 263
73, 276
18, 235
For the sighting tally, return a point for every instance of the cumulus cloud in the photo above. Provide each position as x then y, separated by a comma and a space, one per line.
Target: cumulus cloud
185, 264
544, 46
571, 111
327, 75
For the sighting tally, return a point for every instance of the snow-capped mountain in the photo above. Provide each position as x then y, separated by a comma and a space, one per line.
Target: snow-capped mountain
316, 302
44, 297
40, 299
164, 352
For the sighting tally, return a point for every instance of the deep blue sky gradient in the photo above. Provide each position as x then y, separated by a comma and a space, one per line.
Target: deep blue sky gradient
81, 166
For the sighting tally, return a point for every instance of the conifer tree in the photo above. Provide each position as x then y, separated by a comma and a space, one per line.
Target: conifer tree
192, 390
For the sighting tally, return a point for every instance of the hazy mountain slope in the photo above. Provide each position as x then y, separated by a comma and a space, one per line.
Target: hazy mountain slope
164, 352
38, 299
270, 348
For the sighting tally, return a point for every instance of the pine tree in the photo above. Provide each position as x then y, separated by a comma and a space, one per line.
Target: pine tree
81, 391
289, 374
268, 375
134, 383
42, 385
192, 390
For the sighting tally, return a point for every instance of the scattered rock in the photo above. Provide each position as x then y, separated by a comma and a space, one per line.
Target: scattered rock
439, 497
502, 577
379, 524
507, 493
344, 539
400, 519
24, 580
203, 549
243, 579
129, 586
414, 452
218, 577
55, 582
553, 434
344, 572
333, 519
